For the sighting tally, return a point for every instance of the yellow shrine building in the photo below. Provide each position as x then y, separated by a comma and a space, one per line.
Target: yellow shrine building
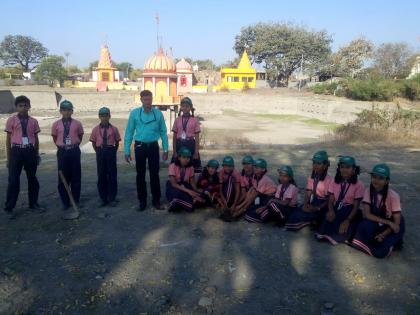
244, 76
105, 71
161, 78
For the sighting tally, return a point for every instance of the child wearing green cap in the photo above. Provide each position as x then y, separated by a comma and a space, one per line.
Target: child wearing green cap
383, 227
345, 194
257, 198
247, 174
208, 184
67, 134
315, 203
284, 202
105, 140
181, 190
229, 192
186, 131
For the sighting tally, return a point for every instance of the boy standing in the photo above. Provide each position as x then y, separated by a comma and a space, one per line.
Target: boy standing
22, 152
105, 140
67, 135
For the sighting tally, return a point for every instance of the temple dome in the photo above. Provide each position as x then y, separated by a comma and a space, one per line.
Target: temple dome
159, 63
183, 66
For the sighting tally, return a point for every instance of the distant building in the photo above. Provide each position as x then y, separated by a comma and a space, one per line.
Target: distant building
105, 71
185, 77
244, 76
415, 70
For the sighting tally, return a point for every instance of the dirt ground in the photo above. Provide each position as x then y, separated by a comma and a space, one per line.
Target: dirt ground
120, 261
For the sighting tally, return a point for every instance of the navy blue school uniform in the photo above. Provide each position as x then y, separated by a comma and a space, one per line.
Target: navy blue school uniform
266, 188
367, 230
345, 194
68, 134
228, 182
318, 196
178, 199
106, 139
23, 131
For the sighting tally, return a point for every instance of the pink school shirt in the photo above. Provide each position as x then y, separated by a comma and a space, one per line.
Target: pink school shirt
246, 181
76, 131
290, 193
355, 191
264, 186
14, 127
223, 176
113, 135
321, 188
392, 202
175, 170
192, 127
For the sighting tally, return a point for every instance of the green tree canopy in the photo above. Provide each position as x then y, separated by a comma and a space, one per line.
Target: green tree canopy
51, 69
283, 47
22, 50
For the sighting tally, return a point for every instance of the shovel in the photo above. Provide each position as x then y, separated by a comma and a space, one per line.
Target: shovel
71, 215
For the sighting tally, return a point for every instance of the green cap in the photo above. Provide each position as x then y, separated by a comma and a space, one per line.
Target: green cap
228, 161
187, 100
213, 163
320, 156
347, 160
66, 105
247, 159
185, 152
261, 163
381, 170
286, 169
104, 111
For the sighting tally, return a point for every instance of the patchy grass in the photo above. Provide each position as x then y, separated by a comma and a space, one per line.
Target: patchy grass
309, 121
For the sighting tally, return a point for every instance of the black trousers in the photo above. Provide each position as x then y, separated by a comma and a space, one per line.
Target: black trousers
149, 152
106, 165
25, 158
69, 163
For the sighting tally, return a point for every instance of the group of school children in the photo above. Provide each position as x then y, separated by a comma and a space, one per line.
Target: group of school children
331, 206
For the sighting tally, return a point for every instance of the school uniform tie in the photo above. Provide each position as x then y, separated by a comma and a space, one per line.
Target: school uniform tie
24, 124
183, 171
66, 125
105, 135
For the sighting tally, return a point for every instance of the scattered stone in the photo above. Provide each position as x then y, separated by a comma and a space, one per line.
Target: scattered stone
191, 282
328, 305
99, 277
204, 279
205, 301
211, 290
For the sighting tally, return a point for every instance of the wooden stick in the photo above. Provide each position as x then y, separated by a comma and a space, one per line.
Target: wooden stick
66, 186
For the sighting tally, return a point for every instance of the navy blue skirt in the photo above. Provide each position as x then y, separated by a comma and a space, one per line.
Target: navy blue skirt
299, 218
178, 199
273, 211
330, 230
365, 238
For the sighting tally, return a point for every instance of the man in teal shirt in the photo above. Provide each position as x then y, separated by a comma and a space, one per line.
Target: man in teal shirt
146, 125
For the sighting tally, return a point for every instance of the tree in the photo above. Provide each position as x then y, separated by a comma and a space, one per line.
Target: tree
350, 59
135, 74
72, 69
392, 60
51, 69
93, 65
125, 67
282, 48
22, 50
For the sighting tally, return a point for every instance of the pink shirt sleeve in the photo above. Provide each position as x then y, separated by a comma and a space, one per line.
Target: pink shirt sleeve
189, 172
197, 125
360, 190
54, 129
395, 201
80, 128
175, 126
366, 196
94, 134
172, 170
309, 183
36, 126
117, 134
9, 125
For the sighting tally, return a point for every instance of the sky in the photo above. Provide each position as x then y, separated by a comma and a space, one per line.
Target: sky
198, 29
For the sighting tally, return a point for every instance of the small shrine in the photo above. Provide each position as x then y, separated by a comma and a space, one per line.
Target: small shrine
244, 76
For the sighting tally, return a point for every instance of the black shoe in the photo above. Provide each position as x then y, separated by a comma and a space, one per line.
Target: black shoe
113, 203
157, 205
103, 204
37, 208
142, 207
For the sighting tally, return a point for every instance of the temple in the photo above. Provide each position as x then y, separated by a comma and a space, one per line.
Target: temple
244, 76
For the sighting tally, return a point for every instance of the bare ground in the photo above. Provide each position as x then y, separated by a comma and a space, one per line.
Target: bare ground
120, 261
